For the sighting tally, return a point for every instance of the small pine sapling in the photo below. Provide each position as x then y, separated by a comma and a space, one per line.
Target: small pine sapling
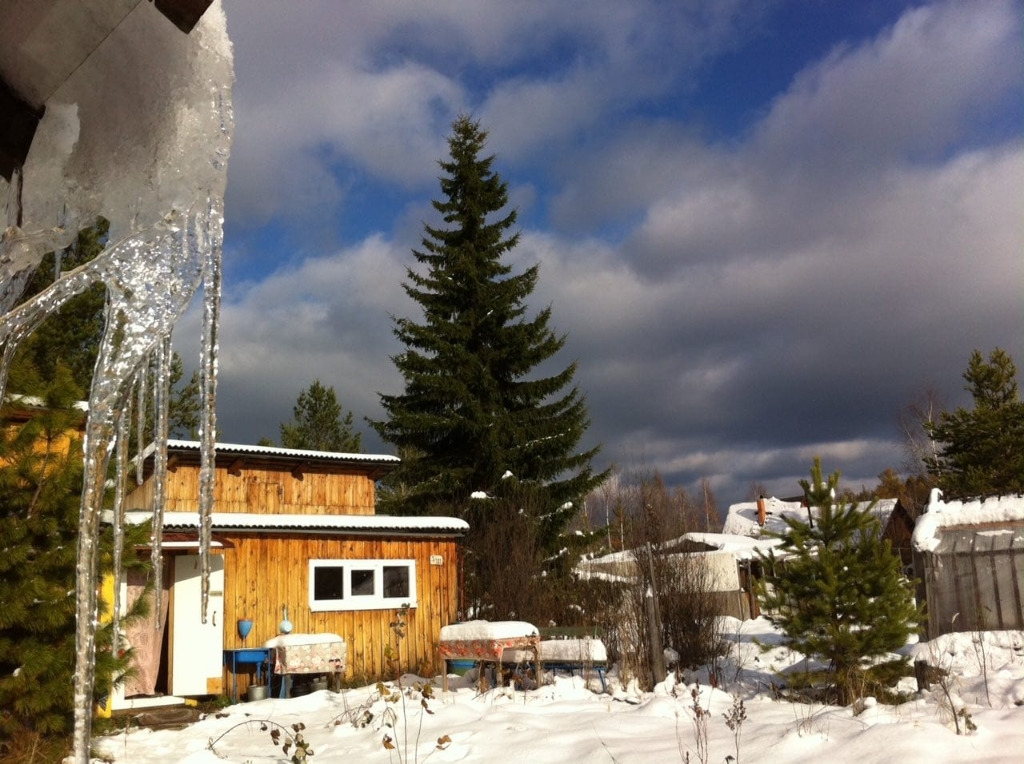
835, 587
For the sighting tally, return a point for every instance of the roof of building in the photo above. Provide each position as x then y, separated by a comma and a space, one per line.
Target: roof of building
979, 514
742, 517
290, 454
741, 547
338, 524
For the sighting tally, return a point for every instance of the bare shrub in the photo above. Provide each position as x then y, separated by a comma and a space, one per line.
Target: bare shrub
665, 596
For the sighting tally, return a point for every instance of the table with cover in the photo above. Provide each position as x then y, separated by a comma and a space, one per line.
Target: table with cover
306, 654
486, 642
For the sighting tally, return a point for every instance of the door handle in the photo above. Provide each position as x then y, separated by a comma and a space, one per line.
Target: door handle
214, 617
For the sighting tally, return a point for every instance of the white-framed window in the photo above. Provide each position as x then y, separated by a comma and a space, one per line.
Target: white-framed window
361, 584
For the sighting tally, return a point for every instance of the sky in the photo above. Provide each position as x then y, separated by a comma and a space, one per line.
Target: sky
765, 228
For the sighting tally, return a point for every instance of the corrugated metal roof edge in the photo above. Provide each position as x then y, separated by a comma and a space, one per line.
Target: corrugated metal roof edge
239, 448
361, 524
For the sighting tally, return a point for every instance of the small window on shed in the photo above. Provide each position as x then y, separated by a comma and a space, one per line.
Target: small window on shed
328, 583
363, 580
396, 582
361, 584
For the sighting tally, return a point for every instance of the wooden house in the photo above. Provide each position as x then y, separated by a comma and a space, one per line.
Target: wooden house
297, 530
969, 560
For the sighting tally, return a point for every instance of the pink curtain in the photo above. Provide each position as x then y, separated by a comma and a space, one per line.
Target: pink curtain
145, 636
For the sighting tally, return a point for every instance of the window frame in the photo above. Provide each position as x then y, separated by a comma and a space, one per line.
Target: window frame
353, 602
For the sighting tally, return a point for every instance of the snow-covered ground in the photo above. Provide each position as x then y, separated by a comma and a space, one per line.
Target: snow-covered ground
572, 722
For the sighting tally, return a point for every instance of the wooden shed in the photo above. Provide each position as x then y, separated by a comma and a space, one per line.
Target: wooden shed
969, 559
297, 530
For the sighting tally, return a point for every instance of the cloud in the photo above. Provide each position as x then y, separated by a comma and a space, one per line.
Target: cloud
736, 306
326, 93
913, 91
327, 318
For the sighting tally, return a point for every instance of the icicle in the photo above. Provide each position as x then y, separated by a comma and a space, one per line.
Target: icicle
105, 399
121, 455
161, 387
140, 432
177, 93
208, 383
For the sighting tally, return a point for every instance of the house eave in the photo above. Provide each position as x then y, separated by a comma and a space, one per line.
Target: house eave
312, 525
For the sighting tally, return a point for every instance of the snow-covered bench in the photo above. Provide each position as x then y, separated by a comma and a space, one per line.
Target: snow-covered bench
572, 655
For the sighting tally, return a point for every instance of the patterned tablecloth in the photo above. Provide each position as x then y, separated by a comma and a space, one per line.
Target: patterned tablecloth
309, 654
485, 649
484, 641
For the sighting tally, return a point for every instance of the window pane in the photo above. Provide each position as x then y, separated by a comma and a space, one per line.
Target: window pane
362, 583
328, 583
396, 581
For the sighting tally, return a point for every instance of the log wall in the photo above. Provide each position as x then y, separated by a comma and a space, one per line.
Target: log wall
265, 572
265, 491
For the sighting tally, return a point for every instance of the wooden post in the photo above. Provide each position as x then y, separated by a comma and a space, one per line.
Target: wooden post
657, 649
921, 674
654, 619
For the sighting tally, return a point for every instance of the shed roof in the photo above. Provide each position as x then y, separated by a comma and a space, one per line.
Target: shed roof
237, 456
741, 547
980, 515
286, 454
365, 525
742, 517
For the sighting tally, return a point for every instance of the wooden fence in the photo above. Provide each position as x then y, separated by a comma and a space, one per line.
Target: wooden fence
973, 580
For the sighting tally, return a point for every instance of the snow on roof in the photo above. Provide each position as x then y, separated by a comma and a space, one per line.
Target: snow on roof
363, 524
740, 547
742, 517
288, 453
949, 514
35, 402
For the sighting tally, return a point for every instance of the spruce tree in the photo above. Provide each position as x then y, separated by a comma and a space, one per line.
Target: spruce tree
184, 406
474, 408
40, 490
981, 451
836, 588
72, 336
320, 424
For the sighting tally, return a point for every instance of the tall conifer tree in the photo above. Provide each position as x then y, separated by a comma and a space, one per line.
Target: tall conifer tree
319, 423
474, 408
981, 451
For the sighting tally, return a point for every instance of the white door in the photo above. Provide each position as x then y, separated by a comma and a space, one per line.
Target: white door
197, 648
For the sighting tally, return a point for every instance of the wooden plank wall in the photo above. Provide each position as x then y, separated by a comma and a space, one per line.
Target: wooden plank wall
265, 491
974, 588
263, 573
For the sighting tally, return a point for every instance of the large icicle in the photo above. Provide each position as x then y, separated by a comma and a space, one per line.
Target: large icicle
139, 133
120, 483
161, 393
208, 420
140, 445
